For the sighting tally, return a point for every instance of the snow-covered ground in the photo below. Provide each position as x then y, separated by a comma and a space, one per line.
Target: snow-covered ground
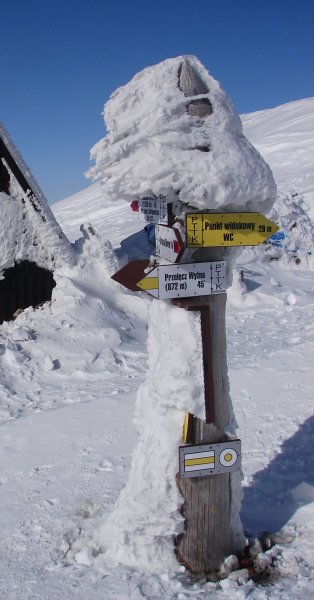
69, 374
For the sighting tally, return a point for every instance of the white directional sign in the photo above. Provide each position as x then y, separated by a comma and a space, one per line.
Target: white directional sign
152, 209
185, 280
169, 244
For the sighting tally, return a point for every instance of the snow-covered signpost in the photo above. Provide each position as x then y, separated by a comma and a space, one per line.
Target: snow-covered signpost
183, 142
210, 500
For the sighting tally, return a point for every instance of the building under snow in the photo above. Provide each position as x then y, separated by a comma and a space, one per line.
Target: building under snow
32, 244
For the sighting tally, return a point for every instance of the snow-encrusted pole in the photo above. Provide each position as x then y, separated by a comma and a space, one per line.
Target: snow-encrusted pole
212, 503
173, 134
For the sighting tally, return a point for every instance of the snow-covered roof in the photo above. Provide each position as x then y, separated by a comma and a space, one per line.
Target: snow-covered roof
28, 228
157, 145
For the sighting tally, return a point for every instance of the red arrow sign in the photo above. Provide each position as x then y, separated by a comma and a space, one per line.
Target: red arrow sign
131, 273
169, 243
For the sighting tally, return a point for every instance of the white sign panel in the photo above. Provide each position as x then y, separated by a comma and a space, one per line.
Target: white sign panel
153, 209
169, 244
185, 280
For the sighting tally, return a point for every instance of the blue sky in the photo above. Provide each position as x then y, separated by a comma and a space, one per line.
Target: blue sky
61, 60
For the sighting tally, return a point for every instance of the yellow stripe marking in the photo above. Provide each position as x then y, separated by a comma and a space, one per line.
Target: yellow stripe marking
207, 460
185, 427
149, 283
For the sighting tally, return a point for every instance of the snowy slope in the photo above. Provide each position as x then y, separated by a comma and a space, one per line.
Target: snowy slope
112, 220
69, 374
284, 136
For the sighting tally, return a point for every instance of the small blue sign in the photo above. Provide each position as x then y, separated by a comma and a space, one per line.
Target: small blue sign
277, 238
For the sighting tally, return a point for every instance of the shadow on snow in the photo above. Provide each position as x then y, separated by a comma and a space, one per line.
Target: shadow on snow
268, 504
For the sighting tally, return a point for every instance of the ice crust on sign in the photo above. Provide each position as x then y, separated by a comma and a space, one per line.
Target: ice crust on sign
154, 146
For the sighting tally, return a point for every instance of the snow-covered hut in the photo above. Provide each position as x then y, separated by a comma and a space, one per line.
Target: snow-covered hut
32, 244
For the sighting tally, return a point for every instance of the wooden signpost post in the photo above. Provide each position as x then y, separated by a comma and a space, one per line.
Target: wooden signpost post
207, 458
207, 507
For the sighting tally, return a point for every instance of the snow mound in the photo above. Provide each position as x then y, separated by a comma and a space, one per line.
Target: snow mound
155, 145
89, 329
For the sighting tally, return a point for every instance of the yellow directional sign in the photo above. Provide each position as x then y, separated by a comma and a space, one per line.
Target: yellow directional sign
205, 230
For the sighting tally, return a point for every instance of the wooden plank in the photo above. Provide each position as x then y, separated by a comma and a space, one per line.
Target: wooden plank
4, 178
208, 367
206, 510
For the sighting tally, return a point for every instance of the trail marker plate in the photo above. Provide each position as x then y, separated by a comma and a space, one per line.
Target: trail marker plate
209, 459
185, 280
206, 230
